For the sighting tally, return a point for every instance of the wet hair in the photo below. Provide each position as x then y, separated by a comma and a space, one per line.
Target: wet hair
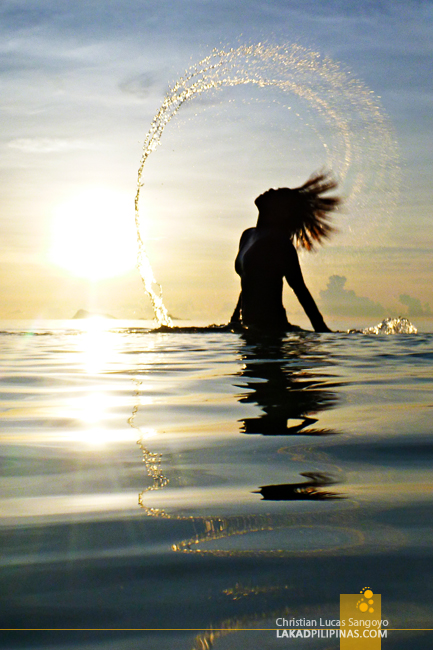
311, 214
303, 210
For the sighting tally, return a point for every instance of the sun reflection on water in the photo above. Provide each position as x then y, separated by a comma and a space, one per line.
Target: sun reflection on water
96, 344
94, 407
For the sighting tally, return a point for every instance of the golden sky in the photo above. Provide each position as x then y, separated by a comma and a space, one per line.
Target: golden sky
81, 83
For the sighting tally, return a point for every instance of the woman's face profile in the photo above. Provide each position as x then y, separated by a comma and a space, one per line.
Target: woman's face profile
275, 201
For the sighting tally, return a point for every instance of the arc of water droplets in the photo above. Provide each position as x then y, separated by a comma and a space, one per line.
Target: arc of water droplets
319, 81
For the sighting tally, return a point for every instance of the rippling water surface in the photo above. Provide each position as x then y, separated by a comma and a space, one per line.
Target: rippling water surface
196, 480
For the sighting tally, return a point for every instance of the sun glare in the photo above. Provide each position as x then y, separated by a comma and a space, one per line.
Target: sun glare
93, 234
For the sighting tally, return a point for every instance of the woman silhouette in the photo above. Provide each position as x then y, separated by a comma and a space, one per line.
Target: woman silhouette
267, 253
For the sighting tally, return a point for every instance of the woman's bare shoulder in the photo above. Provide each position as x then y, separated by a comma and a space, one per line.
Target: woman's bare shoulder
274, 238
246, 235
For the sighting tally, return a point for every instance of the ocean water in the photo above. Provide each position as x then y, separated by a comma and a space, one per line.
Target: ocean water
183, 489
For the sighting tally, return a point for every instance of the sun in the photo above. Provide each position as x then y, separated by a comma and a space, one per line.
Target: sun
93, 234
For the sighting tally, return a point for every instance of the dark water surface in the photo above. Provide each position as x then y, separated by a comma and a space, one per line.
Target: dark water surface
269, 477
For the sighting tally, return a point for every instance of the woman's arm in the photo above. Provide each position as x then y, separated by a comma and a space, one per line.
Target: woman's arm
236, 316
296, 282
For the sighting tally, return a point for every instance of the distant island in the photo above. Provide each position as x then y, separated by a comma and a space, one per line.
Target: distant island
83, 313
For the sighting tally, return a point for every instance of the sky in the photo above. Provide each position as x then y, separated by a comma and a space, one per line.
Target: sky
81, 82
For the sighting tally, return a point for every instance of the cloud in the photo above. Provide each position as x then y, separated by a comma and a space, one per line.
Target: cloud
47, 145
414, 306
338, 300
139, 86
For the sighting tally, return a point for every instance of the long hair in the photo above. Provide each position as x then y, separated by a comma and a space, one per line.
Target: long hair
312, 214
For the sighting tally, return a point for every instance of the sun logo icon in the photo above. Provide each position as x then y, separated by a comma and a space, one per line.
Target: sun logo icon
365, 604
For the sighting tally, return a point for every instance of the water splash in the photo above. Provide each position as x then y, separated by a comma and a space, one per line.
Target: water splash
392, 326
351, 111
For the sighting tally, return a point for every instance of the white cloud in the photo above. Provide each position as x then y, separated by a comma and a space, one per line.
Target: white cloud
47, 145
414, 306
339, 300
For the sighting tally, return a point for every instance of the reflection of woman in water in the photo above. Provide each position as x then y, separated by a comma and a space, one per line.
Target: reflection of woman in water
267, 253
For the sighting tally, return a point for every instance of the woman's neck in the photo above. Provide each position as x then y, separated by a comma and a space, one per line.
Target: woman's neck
272, 222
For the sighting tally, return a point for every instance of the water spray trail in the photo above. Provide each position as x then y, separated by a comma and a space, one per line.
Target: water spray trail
346, 105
